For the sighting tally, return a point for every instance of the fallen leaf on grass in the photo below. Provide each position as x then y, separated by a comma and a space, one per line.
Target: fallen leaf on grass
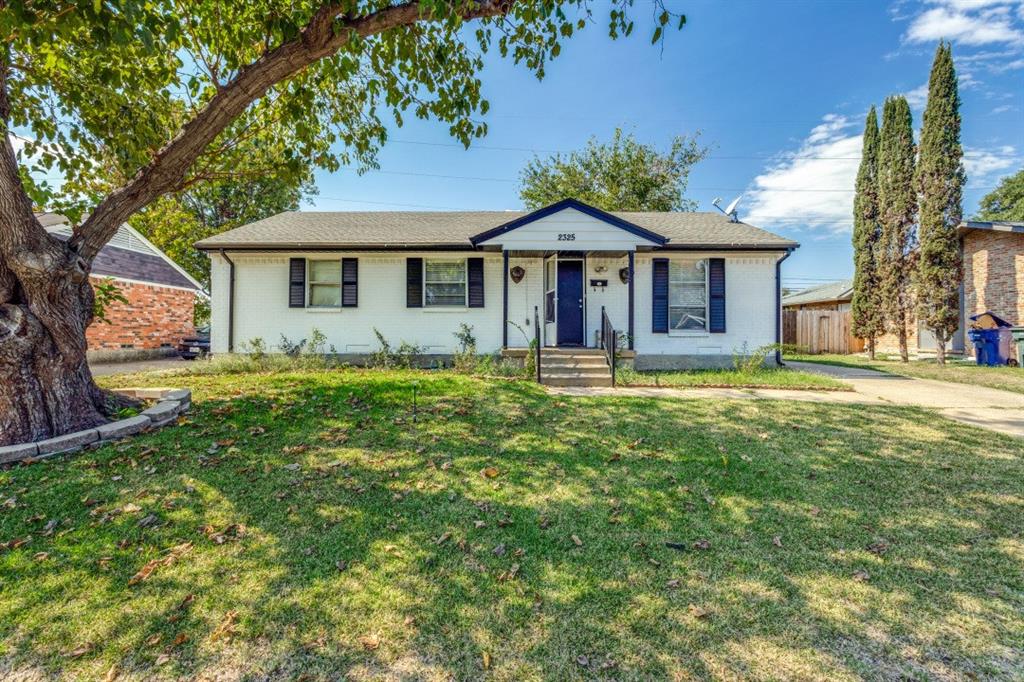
879, 547
111, 674
147, 570
576, 540
226, 628
153, 640
698, 611
672, 584
486, 660
79, 651
180, 639
702, 544
861, 576
777, 541
443, 538
370, 642
489, 472
582, 660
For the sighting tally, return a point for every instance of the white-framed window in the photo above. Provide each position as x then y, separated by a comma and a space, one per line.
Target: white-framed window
444, 283
688, 295
324, 283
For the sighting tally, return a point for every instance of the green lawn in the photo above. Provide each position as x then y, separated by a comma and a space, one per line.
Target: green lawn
305, 526
956, 371
766, 377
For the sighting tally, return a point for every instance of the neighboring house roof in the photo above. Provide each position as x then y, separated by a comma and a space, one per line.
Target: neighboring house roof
997, 226
833, 291
460, 229
127, 255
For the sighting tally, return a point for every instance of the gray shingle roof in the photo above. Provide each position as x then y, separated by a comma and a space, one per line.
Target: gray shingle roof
833, 291
384, 229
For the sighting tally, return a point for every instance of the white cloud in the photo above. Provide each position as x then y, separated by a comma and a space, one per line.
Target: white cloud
918, 97
788, 193
968, 22
983, 163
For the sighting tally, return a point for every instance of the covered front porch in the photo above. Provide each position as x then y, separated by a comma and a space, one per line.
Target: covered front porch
568, 299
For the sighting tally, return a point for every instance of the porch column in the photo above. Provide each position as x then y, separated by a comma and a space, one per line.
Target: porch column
504, 299
630, 254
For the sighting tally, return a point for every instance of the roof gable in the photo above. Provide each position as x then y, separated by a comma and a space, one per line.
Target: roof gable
568, 207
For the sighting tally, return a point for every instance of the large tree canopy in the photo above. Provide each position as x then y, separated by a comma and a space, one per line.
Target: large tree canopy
1005, 202
161, 95
621, 175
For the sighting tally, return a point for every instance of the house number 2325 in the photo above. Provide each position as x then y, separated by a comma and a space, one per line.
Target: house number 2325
566, 236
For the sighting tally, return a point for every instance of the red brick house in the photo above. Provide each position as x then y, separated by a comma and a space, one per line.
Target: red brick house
993, 269
161, 295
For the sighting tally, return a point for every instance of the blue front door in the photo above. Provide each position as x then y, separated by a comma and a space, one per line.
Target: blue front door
570, 303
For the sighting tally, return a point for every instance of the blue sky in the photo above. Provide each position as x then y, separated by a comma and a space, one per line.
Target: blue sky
779, 89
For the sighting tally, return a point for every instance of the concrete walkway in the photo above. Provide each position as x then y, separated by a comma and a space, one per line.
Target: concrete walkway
987, 408
108, 368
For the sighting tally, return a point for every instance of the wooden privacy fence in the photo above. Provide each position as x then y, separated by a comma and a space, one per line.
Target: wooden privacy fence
820, 331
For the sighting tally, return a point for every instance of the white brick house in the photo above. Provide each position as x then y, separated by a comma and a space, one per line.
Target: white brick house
680, 289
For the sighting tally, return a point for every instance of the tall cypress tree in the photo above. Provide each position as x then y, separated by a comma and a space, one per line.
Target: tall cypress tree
897, 206
867, 310
940, 180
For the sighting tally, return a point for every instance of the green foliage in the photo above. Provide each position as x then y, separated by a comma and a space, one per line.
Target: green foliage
387, 357
867, 306
897, 208
105, 293
622, 175
940, 180
465, 357
175, 222
746, 361
1005, 202
100, 87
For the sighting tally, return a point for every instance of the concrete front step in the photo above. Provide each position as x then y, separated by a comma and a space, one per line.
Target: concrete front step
571, 351
576, 380
574, 362
584, 370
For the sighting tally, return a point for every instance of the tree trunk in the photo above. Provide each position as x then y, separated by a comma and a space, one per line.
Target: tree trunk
871, 348
940, 350
46, 388
902, 334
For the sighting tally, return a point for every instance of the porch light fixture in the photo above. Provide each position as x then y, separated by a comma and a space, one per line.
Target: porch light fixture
517, 273
624, 275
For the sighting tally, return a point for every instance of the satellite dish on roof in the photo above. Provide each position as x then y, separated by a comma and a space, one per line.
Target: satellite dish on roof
731, 209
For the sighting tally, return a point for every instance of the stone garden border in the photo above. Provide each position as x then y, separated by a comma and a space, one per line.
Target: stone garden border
170, 402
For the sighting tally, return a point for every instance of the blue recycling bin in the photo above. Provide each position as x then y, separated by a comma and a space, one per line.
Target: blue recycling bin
984, 343
992, 346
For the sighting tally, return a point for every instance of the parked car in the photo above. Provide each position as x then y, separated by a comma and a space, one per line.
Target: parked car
192, 347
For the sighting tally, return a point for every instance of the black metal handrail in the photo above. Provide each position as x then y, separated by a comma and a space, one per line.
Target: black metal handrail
536, 341
609, 339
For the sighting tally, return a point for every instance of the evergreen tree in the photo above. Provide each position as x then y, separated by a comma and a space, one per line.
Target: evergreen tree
897, 206
940, 180
867, 306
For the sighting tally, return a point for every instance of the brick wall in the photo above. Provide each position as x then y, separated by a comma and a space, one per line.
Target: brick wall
153, 316
994, 274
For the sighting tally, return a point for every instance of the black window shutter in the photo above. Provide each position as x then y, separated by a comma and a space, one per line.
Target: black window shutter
475, 275
350, 282
413, 282
297, 283
659, 297
716, 295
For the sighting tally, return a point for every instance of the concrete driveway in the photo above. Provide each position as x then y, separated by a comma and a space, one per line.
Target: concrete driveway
108, 368
988, 408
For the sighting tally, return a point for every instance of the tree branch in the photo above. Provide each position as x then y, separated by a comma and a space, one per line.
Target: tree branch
324, 34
